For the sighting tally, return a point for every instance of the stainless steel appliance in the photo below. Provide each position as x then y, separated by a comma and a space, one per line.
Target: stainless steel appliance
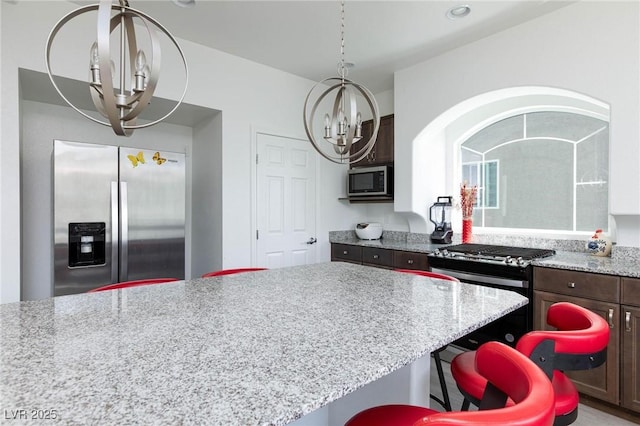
119, 215
441, 209
491, 267
370, 181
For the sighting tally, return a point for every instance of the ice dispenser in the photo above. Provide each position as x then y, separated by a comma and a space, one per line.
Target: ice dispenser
86, 244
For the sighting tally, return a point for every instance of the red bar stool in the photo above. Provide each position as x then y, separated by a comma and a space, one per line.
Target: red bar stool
579, 343
136, 283
507, 374
445, 402
231, 272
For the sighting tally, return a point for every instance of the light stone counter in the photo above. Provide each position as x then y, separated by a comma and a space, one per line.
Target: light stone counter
262, 348
617, 265
570, 254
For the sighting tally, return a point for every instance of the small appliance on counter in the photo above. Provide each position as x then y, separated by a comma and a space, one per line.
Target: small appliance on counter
440, 216
369, 231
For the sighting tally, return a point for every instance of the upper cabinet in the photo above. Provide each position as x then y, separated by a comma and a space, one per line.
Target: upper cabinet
382, 152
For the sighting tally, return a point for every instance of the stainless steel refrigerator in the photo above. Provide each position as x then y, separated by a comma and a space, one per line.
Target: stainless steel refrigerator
119, 215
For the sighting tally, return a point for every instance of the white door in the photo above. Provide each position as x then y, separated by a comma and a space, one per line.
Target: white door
285, 210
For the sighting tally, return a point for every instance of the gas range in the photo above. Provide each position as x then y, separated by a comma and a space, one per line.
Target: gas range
507, 255
488, 259
488, 267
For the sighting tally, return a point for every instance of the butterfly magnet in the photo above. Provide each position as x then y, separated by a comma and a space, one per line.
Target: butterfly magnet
136, 159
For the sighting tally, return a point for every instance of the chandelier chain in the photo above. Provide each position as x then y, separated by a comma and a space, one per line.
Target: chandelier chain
342, 69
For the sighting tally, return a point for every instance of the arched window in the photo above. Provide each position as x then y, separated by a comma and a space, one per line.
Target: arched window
545, 170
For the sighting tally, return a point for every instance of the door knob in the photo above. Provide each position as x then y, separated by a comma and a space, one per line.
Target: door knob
312, 241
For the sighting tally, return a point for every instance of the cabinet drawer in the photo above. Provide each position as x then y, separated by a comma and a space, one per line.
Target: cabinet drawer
601, 287
377, 256
346, 252
631, 291
410, 260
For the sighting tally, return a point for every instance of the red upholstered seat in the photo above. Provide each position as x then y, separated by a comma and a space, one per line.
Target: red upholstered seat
231, 271
579, 343
463, 369
136, 283
510, 373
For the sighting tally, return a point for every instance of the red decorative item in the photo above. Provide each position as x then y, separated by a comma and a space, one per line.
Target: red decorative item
467, 232
468, 196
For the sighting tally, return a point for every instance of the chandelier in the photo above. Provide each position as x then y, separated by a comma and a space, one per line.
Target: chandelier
120, 96
343, 128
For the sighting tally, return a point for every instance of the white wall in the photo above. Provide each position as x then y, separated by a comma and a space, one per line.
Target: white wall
207, 193
248, 95
591, 48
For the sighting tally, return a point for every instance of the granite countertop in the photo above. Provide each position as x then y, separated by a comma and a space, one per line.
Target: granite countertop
622, 266
261, 348
624, 261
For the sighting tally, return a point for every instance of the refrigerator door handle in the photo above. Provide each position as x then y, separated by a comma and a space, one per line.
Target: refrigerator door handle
115, 238
124, 232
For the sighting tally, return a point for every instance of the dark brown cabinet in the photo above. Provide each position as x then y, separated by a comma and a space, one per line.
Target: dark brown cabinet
382, 152
374, 256
379, 257
346, 253
617, 299
410, 260
630, 311
602, 382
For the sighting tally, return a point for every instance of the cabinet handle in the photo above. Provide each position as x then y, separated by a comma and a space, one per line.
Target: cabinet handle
627, 321
345, 252
410, 261
375, 256
571, 285
610, 317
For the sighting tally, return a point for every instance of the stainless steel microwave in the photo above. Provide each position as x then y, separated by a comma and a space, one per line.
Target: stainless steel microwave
370, 181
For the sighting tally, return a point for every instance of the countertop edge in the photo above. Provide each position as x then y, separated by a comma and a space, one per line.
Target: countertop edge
574, 261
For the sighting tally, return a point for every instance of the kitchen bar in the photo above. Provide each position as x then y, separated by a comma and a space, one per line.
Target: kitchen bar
261, 348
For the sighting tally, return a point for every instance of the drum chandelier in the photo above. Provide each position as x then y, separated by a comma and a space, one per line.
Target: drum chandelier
120, 96
343, 128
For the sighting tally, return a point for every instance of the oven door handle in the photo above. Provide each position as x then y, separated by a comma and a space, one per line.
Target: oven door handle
468, 276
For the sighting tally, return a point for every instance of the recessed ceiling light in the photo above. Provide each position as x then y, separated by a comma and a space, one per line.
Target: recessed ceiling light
184, 3
458, 12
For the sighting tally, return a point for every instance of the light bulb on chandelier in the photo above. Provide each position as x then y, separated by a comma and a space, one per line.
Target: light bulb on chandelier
123, 105
343, 127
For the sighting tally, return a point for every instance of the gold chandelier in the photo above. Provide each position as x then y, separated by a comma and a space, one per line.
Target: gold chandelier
121, 103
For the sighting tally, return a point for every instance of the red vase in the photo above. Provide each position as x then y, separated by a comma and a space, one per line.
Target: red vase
467, 233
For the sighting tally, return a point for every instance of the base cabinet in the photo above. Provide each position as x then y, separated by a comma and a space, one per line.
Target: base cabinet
631, 358
379, 257
373, 256
617, 299
602, 382
346, 253
630, 322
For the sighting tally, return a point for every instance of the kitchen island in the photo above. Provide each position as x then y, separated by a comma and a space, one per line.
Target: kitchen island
263, 348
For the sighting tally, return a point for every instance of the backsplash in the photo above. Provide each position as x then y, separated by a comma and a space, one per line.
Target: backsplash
507, 240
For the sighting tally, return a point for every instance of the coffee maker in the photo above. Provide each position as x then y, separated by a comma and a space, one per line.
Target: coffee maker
440, 216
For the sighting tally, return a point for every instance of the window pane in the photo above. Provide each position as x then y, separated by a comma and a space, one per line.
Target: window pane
490, 184
529, 179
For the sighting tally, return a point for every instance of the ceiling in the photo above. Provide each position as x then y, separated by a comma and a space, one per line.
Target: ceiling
303, 37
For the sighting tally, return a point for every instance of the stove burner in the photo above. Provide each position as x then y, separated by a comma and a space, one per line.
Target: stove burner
487, 250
